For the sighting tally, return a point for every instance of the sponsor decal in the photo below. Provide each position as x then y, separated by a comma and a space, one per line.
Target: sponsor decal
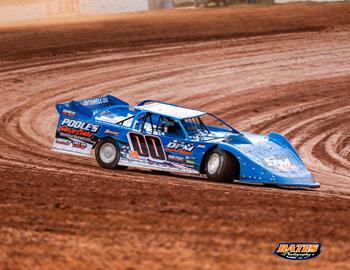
134, 154
162, 166
69, 125
112, 132
95, 101
74, 144
78, 128
124, 149
279, 164
298, 251
63, 141
201, 146
76, 132
79, 145
80, 125
190, 162
175, 158
69, 113
176, 146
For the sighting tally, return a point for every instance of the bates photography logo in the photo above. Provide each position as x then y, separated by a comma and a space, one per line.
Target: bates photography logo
298, 251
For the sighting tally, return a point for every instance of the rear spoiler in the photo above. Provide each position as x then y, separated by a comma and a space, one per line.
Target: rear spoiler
86, 107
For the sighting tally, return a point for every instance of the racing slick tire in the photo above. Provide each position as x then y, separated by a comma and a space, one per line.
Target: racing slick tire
107, 154
221, 166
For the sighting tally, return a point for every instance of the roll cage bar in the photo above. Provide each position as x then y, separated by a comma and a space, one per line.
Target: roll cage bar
217, 118
139, 111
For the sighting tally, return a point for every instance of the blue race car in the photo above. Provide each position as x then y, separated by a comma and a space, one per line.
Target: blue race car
161, 136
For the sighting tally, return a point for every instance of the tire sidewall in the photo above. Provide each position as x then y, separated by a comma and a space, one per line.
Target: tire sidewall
220, 167
113, 164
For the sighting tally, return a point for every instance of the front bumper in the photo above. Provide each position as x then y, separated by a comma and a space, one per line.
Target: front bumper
292, 180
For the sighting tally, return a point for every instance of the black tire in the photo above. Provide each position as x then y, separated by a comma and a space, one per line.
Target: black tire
100, 151
226, 170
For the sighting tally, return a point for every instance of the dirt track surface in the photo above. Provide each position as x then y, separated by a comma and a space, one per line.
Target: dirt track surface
281, 68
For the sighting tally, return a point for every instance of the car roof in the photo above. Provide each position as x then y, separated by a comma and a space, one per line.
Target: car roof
170, 110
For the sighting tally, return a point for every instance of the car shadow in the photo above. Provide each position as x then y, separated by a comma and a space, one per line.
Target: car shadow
200, 178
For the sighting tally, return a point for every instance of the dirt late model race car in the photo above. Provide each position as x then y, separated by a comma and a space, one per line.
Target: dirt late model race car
161, 136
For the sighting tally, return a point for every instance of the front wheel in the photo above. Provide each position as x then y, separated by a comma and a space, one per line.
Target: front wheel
107, 153
221, 166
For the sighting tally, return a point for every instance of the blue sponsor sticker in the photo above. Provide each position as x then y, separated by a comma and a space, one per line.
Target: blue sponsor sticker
298, 251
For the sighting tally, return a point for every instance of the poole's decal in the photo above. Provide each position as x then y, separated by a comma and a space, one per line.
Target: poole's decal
76, 137
298, 251
80, 125
77, 129
79, 133
176, 146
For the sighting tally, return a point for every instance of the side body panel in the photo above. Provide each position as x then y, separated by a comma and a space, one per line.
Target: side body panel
82, 124
162, 153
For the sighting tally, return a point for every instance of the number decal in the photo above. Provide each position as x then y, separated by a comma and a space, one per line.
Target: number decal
139, 144
147, 146
155, 147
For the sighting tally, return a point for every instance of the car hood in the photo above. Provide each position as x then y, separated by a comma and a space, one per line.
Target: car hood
268, 159
268, 154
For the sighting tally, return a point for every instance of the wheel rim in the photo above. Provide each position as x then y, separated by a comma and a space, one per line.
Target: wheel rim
108, 152
213, 163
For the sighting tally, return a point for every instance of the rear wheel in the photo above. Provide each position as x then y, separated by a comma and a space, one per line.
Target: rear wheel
107, 154
221, 166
